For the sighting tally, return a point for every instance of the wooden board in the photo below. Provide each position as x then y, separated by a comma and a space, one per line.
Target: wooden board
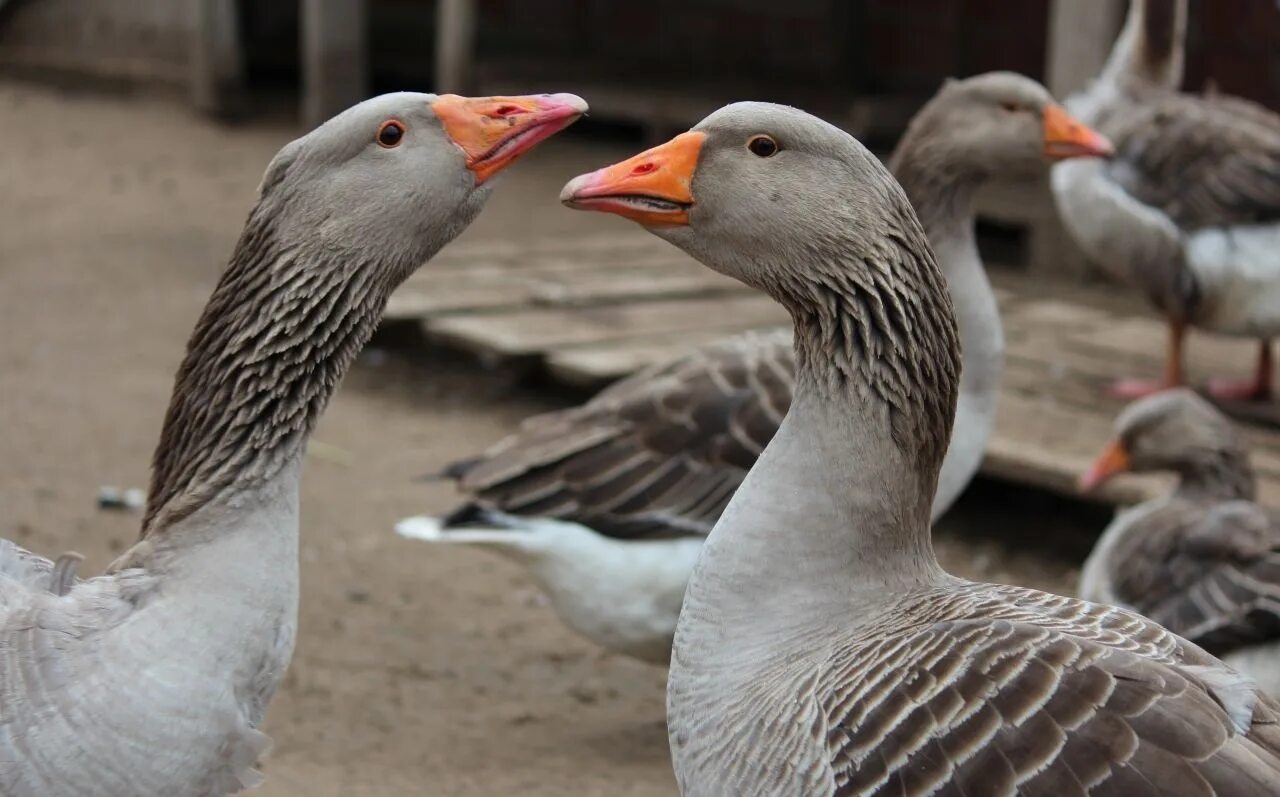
529, 332
590, 311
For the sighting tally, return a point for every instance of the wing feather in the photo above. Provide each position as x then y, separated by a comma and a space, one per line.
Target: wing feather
1210, 574
1205, 162
1041, 705
657, 454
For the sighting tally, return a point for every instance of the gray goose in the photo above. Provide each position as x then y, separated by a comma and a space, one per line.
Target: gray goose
1203, 561
653, 459
152, 679
821, 649
1189, 209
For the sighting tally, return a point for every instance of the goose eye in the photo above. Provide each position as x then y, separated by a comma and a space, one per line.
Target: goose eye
764, 146
390, 134
1012, 107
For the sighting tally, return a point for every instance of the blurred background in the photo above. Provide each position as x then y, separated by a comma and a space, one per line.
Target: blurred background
133, 134
649, 69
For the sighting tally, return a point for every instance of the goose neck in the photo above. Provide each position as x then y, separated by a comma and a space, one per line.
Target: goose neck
1150, 50
837, 508
282, 327
1224, 476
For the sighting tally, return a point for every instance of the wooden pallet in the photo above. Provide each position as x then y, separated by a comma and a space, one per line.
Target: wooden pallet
592, 310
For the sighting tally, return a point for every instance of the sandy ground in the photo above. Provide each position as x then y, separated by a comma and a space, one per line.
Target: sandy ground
418, 670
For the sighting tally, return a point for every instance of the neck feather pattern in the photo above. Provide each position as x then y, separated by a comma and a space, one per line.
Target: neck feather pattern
881, 329
282, 327
1224, 475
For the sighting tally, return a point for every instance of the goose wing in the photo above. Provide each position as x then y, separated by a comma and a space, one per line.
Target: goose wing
1035, 694
1203, 161
1211, 576
658, 453
22, 572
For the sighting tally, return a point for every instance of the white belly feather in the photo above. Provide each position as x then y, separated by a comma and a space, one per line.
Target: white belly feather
1238, 270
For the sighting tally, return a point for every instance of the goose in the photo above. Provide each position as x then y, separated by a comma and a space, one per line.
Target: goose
152, 679
821, 649
652, 460
1203, 561
1188, 211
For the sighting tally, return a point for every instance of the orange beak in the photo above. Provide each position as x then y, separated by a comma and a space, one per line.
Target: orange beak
1113, 459
1065, 137
493, 132
653, 188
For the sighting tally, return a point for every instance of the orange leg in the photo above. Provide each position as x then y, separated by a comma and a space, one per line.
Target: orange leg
1130, 389
1254, 389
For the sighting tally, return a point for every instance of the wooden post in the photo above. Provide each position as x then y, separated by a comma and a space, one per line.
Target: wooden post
217, 71
455, 46
1080, 36
335, 61
1079, 40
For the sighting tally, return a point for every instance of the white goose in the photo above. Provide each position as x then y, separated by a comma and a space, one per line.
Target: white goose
821, 649
606, 504
152, 680
1189, 209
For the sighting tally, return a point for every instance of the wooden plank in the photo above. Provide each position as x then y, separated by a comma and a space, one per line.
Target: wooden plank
602, 255
532, 332
335, 60
593, 366
511, 288
1056, 314
1147, 338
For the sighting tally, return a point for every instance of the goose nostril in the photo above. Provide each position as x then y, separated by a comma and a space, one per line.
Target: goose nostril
507, 110
643, 168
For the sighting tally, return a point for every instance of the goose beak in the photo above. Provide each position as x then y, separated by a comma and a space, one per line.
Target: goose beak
1065, 137
653, 188
493, 132
1113, 459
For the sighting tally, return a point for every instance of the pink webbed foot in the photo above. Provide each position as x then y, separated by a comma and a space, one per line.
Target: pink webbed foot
1239, 389
1131, 389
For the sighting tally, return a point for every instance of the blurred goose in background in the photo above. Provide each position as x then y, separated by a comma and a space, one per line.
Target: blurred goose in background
1189, 209
1203, 561
152, 680
821, 648
658, 455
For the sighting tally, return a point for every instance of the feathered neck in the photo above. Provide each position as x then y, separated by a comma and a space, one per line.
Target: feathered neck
1151, 48
940, 185
283, 325
875, 322
1222, 475
837, 507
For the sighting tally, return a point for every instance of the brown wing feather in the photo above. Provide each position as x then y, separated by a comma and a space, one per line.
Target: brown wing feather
659, 453
1052, 697
1204, 161
1209, 574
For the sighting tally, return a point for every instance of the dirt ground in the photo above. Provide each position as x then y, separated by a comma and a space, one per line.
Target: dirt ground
418, 670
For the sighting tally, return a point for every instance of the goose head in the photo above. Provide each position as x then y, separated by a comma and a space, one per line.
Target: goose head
748, 189
1174, 430
402, 174
998, 123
